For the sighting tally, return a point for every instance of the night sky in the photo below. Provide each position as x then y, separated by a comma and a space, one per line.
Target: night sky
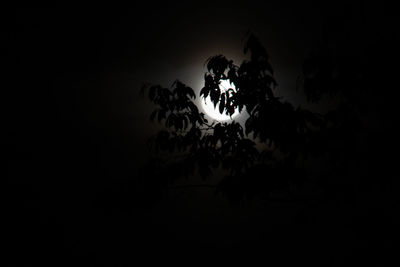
76, 131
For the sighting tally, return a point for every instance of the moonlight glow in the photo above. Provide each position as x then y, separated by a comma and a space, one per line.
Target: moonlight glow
208, 106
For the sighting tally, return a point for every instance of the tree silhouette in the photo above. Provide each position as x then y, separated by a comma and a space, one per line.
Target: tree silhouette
270, 151
289, 134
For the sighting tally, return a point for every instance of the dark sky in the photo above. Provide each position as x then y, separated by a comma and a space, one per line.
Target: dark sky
86, 66
76, 125
90, 63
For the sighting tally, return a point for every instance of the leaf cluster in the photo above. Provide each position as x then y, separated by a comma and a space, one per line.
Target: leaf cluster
283, 129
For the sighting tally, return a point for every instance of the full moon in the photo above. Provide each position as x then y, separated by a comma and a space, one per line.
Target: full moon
214, 113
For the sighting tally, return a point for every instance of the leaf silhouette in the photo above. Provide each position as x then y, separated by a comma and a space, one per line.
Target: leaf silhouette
204, 92
222, 103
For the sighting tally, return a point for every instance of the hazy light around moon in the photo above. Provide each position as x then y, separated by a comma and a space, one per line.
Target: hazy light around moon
214, 113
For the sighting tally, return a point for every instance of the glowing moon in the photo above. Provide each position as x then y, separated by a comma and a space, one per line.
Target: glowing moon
208, 106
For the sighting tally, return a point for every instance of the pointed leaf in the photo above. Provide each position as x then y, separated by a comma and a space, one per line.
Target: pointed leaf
222, 104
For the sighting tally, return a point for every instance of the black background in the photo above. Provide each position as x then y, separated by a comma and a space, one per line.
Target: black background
76, 129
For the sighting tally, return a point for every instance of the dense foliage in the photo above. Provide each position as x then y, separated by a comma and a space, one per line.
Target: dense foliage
277, 138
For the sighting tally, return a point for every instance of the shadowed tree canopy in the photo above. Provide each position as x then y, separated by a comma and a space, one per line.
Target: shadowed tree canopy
347, 143
288, 134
